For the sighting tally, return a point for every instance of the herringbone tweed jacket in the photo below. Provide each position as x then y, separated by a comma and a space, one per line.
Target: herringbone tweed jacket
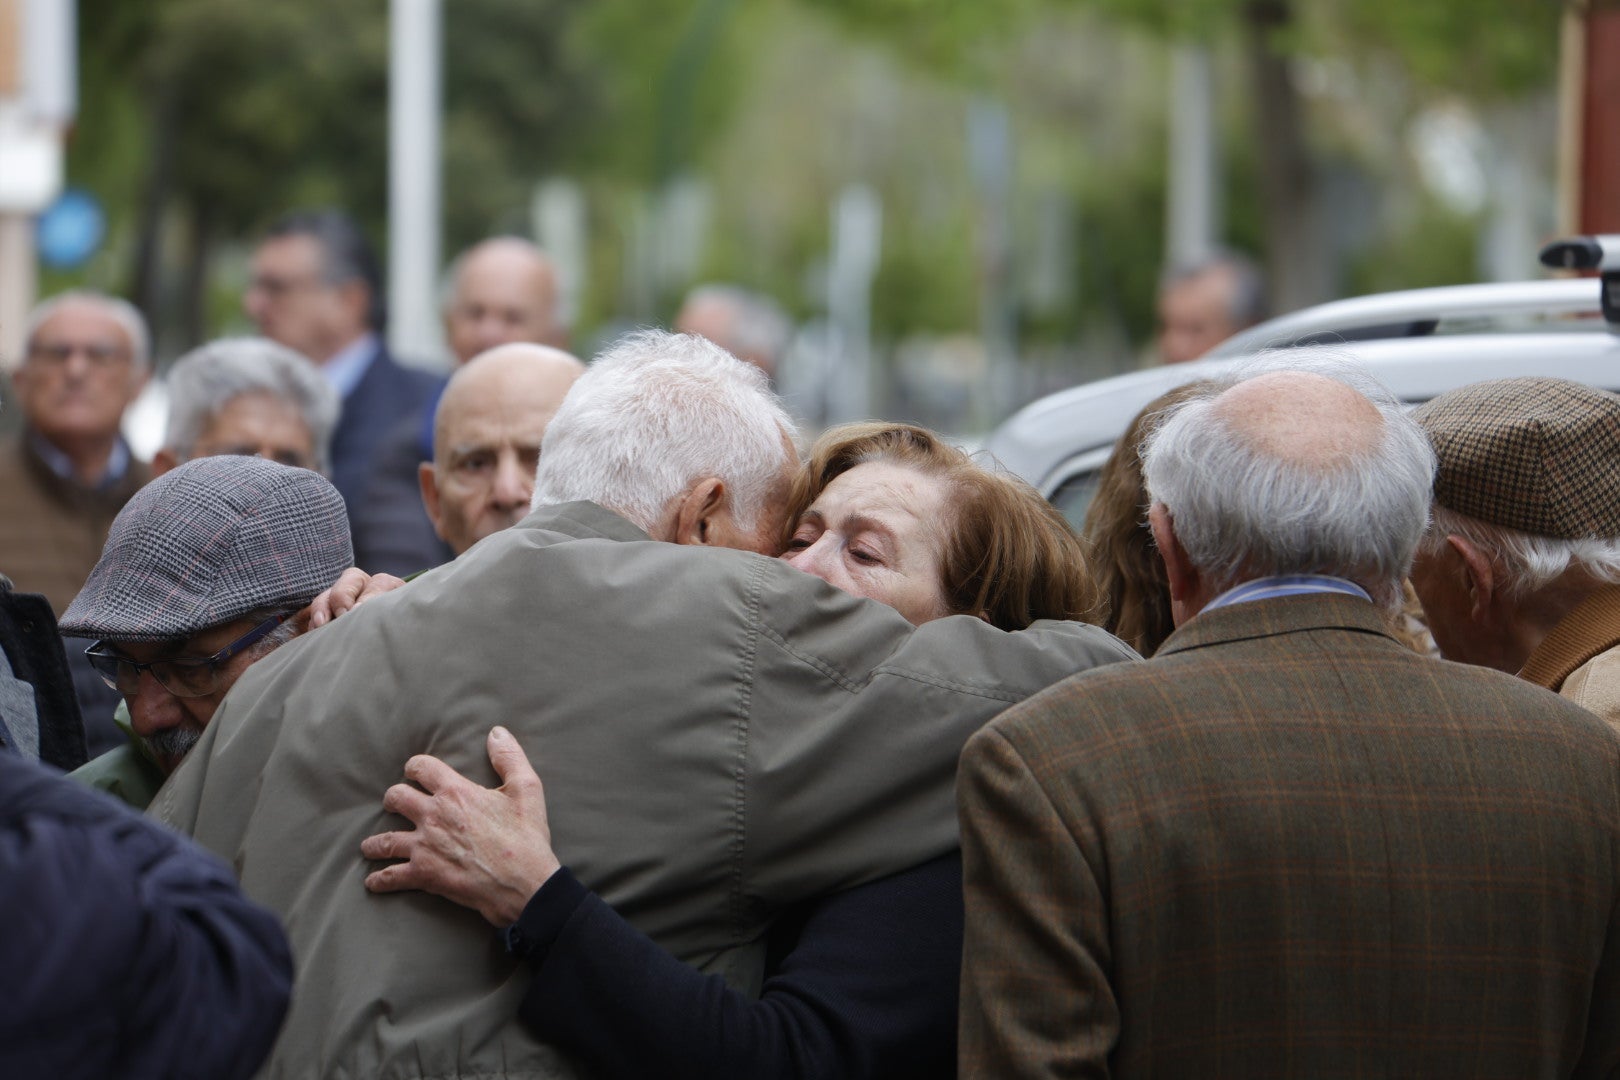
1286, 846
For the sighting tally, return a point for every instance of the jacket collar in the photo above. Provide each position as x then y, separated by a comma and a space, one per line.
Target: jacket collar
583, 521
1269, 618
1591, 628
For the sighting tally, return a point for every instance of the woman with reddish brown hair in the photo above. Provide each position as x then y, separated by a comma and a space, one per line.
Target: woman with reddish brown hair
894, 513
1134, 591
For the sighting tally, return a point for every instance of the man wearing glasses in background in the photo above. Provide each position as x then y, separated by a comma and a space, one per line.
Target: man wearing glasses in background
67, 474
204, 573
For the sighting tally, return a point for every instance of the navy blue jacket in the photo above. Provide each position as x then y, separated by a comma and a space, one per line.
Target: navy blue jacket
385, 395
859, 984
127, 951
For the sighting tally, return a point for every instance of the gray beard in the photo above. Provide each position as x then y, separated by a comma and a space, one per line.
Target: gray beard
175, 742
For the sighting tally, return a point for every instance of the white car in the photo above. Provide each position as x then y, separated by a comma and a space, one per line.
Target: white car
1419, 343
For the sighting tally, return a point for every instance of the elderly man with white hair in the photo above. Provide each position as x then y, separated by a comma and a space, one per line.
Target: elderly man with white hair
66, 475
1288, 845
723, 735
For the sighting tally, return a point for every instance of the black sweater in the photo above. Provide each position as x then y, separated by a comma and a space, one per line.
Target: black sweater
862, 983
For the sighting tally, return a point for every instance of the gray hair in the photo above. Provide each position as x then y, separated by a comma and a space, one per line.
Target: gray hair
1240, 512
125, 314
654, 414
1530, 563
209, 377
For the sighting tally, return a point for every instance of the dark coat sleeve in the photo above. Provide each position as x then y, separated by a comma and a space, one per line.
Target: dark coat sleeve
867, 987
127, 950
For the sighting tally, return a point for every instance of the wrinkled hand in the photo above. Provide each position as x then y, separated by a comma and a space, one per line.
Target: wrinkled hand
483, 848
348, 592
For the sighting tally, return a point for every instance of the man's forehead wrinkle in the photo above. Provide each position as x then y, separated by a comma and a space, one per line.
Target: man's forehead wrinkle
1301, 417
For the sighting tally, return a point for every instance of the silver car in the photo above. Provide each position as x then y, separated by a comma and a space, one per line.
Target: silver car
1419, 343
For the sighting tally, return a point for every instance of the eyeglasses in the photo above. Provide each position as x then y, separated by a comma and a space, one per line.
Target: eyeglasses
185, 677
274, 288
101, 354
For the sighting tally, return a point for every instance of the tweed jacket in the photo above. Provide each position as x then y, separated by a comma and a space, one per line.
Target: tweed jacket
51, 529
1580, 658
720, 735
1286, 846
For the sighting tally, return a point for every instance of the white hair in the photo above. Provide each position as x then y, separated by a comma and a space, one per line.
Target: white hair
1530, 562
1242, 512
209, 377
122, 312
654, 414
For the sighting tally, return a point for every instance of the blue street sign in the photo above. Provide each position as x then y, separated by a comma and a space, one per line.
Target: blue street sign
70, 229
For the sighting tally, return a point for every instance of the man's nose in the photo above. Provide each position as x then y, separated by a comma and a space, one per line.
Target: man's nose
514, 484
151, 708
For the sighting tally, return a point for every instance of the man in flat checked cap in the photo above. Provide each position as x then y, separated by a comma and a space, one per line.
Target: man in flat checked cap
201, 577
1520, 568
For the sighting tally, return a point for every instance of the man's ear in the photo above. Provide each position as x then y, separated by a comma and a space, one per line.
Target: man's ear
1479, 576
164, 460
428, 479
698, 515
1183, 576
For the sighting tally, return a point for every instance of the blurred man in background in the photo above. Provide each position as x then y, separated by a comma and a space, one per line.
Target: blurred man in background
487, 440
500, 291
316, 289
65, 477
748, 325
1202, 304
503, 289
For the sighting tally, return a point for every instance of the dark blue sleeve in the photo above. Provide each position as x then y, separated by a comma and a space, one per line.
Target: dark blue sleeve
127, 950
867, 989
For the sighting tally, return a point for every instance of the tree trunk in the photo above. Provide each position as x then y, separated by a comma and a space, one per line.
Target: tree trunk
146, 284
193, 320
1298, 262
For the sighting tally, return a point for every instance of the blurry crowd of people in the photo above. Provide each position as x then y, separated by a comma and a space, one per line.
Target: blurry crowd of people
693, 754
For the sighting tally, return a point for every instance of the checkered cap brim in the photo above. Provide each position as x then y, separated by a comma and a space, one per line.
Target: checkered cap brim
209, 542
1534, 454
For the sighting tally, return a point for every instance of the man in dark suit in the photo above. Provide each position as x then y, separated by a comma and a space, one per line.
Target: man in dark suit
316, 288
1287, 845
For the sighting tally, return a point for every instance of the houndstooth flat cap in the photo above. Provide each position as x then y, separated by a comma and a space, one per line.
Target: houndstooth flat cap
1535, 454
209, 542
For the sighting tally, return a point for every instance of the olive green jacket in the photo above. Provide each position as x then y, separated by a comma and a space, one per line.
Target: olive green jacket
125, 772
720, 735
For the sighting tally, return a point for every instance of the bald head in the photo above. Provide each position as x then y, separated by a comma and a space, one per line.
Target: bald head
1300, 417
486, 439
502, 290
1315, 470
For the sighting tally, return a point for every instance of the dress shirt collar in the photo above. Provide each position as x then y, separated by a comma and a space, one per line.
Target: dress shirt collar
62, 465
349, 364
1267, 588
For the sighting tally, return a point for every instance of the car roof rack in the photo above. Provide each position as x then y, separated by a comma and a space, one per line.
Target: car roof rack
1416, 312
